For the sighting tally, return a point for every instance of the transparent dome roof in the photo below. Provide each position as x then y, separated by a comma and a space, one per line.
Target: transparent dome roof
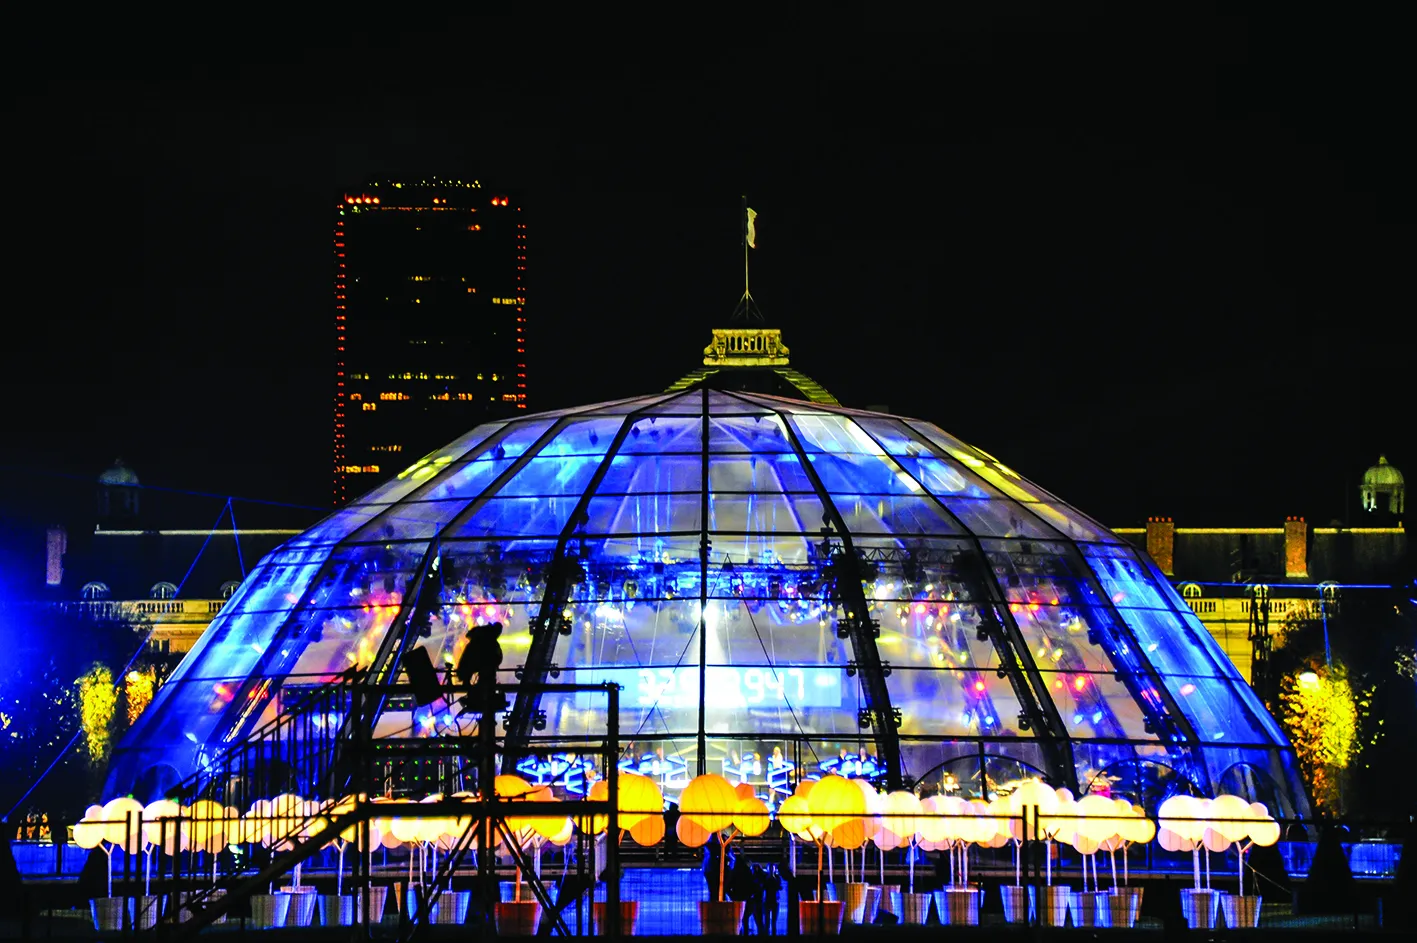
712, 552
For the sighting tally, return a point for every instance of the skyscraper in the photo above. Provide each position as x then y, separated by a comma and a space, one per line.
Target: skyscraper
430, 321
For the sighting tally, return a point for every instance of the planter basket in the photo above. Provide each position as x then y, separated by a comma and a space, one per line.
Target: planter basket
303, 900
1200, 908
1126, 906
820, 918
336, 910
1241, 913
629, 916
268, 911
108, 913
1092, 909
915, 908
1053, 903
1018, 903
958, 906
517, 919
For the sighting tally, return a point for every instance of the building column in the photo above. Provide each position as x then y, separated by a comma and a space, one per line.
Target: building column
1161, 543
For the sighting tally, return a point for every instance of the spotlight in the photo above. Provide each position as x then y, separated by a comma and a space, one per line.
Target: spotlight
1094, 637
896, 718
982, 634
885, 669
851, 669
538, 720
863, 718
1023, 722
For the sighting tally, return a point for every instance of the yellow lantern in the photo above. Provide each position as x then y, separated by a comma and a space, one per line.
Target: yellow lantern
751, 816
691, 833
796, 818
639, 799
709, 801
838, 806
648, 831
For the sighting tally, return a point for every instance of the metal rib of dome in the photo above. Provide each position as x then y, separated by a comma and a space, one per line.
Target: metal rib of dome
776, 583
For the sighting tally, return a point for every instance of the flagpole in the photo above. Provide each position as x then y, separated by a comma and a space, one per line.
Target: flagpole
746, 293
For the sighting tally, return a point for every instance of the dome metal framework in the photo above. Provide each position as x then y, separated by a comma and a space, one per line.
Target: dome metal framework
779, 586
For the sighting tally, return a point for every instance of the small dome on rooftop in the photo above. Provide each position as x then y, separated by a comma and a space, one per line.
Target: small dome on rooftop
120, 475
1383, 475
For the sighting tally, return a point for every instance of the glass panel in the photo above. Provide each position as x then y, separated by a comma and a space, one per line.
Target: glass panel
748, 434
1215, 711
583, 437
664, 473
411, 520
1073, 524
766, 701
1168, 641
786, 631
568, 474
881, 515
765, 513
465, 481
862, 474
961, 703
940, 476
460, 449
757, 473
895, 437
1095, 705
337, 526
996, 517
514, 517
654, 435
643, 514
827, 433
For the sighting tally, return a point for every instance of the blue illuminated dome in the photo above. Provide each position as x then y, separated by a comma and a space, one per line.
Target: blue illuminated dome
781, 586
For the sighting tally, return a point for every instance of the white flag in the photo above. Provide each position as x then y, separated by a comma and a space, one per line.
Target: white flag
752, 229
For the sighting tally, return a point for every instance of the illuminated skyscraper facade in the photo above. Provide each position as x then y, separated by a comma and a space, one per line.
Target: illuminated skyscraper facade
430, 321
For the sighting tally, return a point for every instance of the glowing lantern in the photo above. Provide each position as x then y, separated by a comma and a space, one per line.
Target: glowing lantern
930, 827
648, 831
1264, 830
691, 833
838, 806
1183, 816
751, 816
745, 790
89, 833
1097, 818
1230, 817
639, 799
120, 813
709, 801
902, 816
794, 816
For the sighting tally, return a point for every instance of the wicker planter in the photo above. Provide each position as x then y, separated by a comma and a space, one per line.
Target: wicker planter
337, 910
629, 916
1126, 906
108, 913
148, 909
517, 919
1053, 903
1241, 913
303, 900
914, 908
1092, 909
452, 907
1200, 908
720, 917
958, 906
820, 918
378, 899
1018, 902
268, 911
855, 900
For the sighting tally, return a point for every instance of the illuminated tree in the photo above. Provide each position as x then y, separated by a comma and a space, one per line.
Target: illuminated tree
98, 702
1320, 713
138, 688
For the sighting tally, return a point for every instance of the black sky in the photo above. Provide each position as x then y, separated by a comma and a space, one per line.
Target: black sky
1158, 265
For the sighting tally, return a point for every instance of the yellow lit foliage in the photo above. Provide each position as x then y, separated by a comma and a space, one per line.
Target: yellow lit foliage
1320, 714
98, 701
138, 688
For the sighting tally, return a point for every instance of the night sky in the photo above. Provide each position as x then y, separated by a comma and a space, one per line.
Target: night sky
1159, 266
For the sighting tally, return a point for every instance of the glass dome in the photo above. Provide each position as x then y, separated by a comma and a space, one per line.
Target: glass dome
781, 587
